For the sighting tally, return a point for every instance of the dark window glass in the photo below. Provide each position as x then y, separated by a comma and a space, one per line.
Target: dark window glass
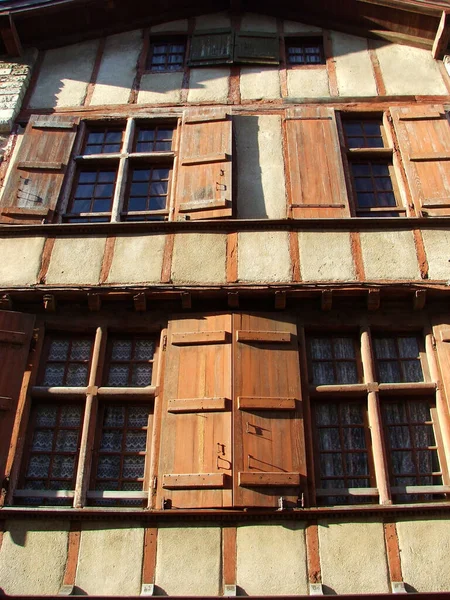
363, 134
154, 139
334, 360
148, 191
167, 55
103, 141
398, 359
67, 362
304, 51
130, 362
93, 193
372, 184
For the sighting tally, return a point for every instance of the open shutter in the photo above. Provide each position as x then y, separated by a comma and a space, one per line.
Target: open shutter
315, 164
35, 181
211, 48
196, 453
423, 134
15, 335
257, 48
269, 460
204, 169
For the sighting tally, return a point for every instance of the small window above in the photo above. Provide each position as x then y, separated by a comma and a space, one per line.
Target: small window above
167, 54
364, 133
302, 51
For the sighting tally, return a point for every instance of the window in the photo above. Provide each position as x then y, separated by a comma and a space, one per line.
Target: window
334, 360
224, 46
167, 54
398, 359
303, 51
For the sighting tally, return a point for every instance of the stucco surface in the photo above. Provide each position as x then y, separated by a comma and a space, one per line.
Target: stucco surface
188, 560
353, 557
264, 256
437, 248
20, 260
76, 260
326, 256
425, 548
310, 83
137, 259
180, 25
256, 22
120, 548
199, 258
408, 70
208, 85
212, 21
118, 68
160, 88
389, 255
260, 82
353, 66
271, 559
33, 557
260, 167
64, 76
295, 27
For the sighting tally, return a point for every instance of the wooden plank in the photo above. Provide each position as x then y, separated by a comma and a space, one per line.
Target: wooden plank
12, 337
229, 556
252, 403
429, 156
232, 257
312, 553
149, 558
193, 481
220, 157
377, 72
40, 165
203, 204
73, 549
182, 405
95, 71
199, 337
270, 337
393, 552
347, 492
275, 479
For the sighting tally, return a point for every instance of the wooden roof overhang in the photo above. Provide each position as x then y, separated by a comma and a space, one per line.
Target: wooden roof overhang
52, 23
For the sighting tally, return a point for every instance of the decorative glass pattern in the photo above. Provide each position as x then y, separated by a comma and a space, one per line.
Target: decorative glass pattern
398, 359
167, 55
305, 51
333, 360
67, 362
130, 362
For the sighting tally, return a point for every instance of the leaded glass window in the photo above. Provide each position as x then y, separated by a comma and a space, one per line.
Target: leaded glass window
130, 362
67, 361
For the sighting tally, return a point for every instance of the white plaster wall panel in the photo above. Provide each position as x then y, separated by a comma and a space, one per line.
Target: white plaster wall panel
354, 71
20, 260
260, 167
389, 255
425, 548
181, 25
199, 258
118, 68
110, 560
259, 83
271, 559
437, 249
33, 557
160, 88
188, 560
137, 259
353, 557
257, 22
212, 21
263, 256
14, 79
308, 83
294, 27
326, 256
208, 85
76, 260
64, 76
409, 71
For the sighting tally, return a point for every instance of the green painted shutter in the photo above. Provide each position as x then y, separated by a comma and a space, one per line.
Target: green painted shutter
257, 48
211, 48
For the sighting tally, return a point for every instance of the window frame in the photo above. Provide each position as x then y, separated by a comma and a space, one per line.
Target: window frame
292, 39
168, 39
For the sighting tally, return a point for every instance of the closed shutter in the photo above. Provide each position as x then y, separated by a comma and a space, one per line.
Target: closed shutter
256, 48
33, 186
196, 452
211, 48
269, 460
15, 335
423, 134
315, 164
203, 188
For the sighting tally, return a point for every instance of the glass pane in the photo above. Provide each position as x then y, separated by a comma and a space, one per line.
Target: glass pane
58, 350
389, 372
142, 375
114, 416
356, 464
136, 441
121, 350
412, 371
138, 416
331, 465
144, 350
46, 415
77, 375
70, 415
329, 439
326, 414
63, 466
423, 436
403, 463
42, 441
408, 347
133, 467
346, 372
419, 411
108, 467
81, 350
321, 348
351, 414
54, 375
111, 441
67, 440
395, 412
399, 437
323, 373
87, 177
118, 375
354, 438
39, 466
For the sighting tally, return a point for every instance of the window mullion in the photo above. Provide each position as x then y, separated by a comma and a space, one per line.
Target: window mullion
122, 171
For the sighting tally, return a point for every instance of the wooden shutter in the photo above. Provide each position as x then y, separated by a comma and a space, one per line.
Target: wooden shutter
196, 452
211, 48
34, 183
204, 170
269, 460
257, 48
315, 164
15, 334
423, 134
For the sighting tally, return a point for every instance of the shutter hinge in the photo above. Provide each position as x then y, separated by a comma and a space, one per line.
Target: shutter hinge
154, 483
433, 341
164, 344
389, 118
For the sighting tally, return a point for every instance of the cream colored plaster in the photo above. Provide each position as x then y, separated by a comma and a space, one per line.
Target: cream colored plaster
188, 560
76, 260
409, 71
160, 88
354, 71
255, 22
425, 548
199, 258
353, 557
437, 248
260, 167
118, 68
110, 560
308, 83
20, 260
294, 27
212, 21
263, 256
326, 256
259, 83
33, 557
180, 25
271, 559
208, 85
389, 255
137, 259
64, 76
